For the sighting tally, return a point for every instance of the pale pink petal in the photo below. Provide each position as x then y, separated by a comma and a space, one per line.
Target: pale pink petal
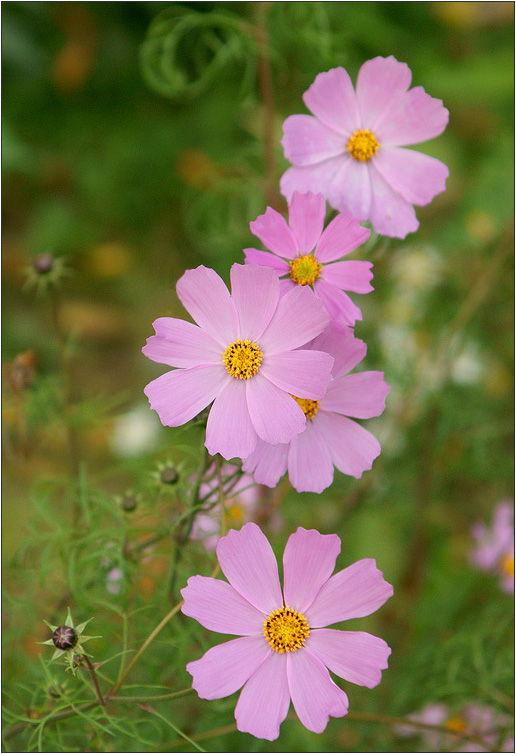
358, 590
180, 395
352, 448
286, 285
305, 374
414, 118
314, 695
308, 562
391, 214
219, 607
180, 344
360, 395
274, 232
347, 350
267, 462
275, 415
316, 178
206, 298
381, 83
229, 430
249, 564
310, 468
299, 318
239, 659
343, 312
306, 214
264, 701
353, 276
416, 176
341, 236
267, 259
356, 656
350, 188
307, 141
332, 99
255, 292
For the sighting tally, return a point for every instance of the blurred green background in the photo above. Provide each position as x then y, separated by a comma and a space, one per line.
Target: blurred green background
133, 148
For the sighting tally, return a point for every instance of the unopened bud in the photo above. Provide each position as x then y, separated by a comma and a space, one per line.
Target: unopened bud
65, 637
169, 475
43, 263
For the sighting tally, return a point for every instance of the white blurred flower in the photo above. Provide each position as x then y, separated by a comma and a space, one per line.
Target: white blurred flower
135, 432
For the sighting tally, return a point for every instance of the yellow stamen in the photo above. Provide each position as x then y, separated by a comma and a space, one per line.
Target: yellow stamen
286, 630
507, 564
242, 359
363, 145
305, 270
309, 407
456, 724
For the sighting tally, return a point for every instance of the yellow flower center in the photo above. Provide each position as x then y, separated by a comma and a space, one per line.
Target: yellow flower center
235, 515
286, 630
456, 724
363, 145
309, 407
305, 270
242, 359
507, 564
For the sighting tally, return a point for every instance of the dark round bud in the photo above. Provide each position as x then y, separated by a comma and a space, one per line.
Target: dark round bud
169, 475
43, 263
65, 637
129, 503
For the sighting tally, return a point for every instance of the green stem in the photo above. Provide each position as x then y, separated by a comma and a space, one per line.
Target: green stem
159, 698
94, 678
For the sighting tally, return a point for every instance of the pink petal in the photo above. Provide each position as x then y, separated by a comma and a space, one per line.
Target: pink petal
414, 118
352, 448
275, 415
360, 395
356, 656
255, 293
249, 564
181, 344
239, 658
264, 701
306, 214
268, 462
266, 259
332, 99
347, 350
314, 695
305, 374
416, 176
180, 395
310, 468
274, 232
308, 562
341, 236
219, 607
307, 141
316, 178
229, 430
381, 83
350, 188
343, 312
286, 285
391, 214
299, 318
358, 590
350, 276
206, 298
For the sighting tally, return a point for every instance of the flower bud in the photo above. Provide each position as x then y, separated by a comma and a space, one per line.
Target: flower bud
43, 263
65, 637
129, 503
169, 475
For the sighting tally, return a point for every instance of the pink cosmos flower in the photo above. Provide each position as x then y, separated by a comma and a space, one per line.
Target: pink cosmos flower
495, 546
241, 496
304, 254
351, 151
284, 650
241, 355
330, 438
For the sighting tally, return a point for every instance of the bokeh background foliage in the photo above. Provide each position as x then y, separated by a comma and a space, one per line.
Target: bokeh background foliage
139, 139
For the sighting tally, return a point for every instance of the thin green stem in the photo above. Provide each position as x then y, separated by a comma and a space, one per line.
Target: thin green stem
158, 698
94, 678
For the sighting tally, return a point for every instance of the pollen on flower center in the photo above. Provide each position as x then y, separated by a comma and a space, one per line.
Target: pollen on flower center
286, 630
242, 359
456, 724
507, 565
305, 270
363, 145
309, 406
